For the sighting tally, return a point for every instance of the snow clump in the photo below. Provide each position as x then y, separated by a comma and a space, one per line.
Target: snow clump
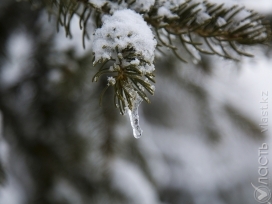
125, 29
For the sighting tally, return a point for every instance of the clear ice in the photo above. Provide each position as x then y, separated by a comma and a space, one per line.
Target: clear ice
134, 118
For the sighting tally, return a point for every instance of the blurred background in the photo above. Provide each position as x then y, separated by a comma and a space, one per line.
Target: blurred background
201, 136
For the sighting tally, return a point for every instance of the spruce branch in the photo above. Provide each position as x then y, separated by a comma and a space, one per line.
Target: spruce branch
126, 57
210, 28
124, 43
65, 10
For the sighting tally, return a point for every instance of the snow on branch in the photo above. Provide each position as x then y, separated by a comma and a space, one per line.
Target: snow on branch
125, 45
208, 27
129, 31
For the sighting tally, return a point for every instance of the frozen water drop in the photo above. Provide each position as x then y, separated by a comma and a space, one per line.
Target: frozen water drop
134, 118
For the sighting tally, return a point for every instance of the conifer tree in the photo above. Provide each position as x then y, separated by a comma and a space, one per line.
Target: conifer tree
62, 148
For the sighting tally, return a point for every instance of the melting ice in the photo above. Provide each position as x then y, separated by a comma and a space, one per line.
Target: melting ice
134, 118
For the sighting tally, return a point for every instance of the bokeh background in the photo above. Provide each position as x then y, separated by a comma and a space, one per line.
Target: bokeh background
57, 146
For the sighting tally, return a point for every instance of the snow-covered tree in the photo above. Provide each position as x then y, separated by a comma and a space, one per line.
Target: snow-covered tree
125, 44
60, 146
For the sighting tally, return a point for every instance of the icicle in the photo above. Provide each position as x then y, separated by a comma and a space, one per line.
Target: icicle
134, 117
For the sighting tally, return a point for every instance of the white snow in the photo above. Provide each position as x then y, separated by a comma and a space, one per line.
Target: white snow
111, 81
124, 29
164, 11
220, 22
142, 5
202, 17
165, 8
